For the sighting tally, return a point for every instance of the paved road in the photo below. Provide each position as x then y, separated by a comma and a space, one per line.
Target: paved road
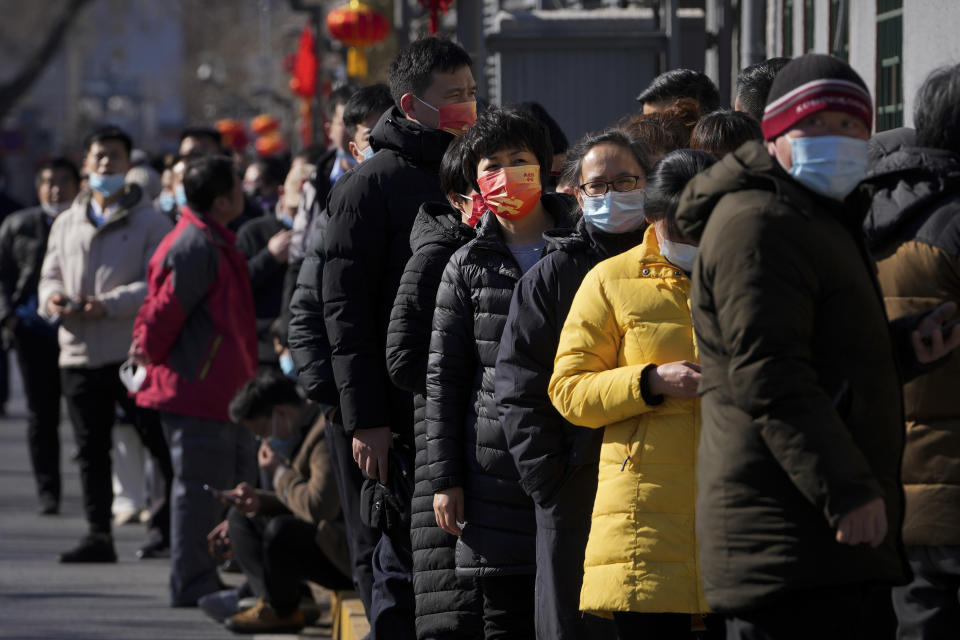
40, 598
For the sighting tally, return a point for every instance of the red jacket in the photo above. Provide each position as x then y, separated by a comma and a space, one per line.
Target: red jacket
197, 324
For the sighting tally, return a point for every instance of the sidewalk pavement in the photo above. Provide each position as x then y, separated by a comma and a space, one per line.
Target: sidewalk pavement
40, 598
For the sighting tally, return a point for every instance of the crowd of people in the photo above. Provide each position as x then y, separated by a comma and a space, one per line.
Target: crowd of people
647, 385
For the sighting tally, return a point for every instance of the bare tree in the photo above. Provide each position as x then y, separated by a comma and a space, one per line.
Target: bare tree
12, 90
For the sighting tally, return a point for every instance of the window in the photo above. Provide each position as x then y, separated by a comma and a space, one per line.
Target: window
809, 25
889, 64
840, 29
787, 40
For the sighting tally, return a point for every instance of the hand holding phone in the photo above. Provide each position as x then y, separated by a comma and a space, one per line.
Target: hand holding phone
222, 496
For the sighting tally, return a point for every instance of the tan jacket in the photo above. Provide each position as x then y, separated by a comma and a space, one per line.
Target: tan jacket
309, 490
108, 263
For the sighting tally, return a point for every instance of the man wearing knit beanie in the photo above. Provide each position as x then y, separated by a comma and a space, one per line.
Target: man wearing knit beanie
799, 502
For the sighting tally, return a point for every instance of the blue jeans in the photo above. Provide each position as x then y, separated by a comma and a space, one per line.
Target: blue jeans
221, 455
929, 607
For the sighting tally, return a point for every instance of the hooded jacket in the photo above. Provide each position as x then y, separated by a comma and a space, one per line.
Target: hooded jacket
109, 263
366, 247
913, 229
632, 312
445, 602
466, 445
197, 324
801, 398
545, 447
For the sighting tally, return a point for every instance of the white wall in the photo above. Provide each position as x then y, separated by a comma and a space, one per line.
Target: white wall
863, 42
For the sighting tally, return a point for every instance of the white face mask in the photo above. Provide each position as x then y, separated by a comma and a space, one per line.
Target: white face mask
678, 254
53, 209
132, 376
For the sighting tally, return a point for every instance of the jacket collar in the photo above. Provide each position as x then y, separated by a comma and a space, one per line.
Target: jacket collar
439, 223
216, 232
421, 146
651, 263
586, 238
130, 201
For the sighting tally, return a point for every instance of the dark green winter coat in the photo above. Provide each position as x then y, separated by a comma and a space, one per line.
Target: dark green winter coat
802, 407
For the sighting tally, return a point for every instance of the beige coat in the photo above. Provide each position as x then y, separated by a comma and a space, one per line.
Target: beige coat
108, 263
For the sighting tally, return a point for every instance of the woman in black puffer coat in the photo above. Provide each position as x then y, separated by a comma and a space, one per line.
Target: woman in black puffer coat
447, 605
478, 494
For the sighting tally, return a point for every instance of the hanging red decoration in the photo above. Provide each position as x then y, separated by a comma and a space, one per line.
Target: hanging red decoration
303, 71
270, 144
232, 133
264, 123
357, 26
435, 7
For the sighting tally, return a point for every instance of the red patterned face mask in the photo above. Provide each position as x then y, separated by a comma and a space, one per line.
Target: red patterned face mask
478, 209
455, 118
512, 192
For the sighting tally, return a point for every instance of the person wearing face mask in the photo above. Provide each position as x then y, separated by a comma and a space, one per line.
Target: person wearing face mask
23, 242
448, 606
800, 502
477, 491
557, 461
295, 532
93, 281
366, 244
626, 363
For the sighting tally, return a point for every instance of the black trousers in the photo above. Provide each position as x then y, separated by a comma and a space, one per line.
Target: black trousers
508, 607
92, 396
37, 353
277, 554
665, 626
850, 612
361, 539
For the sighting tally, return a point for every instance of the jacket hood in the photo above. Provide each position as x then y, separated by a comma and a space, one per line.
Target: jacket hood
422, 146
749, 167
439, 223
884, 143
906, 183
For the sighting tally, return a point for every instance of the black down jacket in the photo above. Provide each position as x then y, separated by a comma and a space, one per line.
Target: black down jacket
446, 604
266, 279
307, 334
466, 446
23, 243
546, 448
366, 247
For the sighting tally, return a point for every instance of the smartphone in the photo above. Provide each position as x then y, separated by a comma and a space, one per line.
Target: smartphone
944, 328
73, 305
220, 495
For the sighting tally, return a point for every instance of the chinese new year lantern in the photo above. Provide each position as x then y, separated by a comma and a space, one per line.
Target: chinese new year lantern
357, 26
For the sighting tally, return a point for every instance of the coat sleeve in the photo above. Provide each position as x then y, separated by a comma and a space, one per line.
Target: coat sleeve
588, 387
764, 286
408, 336
124, 301
535, 431
355, 253
451, 367
313, 498
307, 334
187, 272
51, 275
8, 269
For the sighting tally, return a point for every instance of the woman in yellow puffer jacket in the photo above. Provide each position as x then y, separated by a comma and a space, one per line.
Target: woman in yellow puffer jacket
625, 363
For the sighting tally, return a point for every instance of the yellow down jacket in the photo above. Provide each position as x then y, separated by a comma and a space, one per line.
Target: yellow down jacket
630, 312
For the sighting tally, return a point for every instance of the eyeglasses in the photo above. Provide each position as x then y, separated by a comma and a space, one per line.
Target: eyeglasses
600, 187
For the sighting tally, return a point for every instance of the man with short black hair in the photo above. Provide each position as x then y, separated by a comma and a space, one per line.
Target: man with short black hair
200, 141
753, 85
366, 246
669, 87
23, 242
93, 282
196, 335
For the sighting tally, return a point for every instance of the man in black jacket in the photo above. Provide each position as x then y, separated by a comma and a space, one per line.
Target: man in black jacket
23, 243
307, 338
366, 247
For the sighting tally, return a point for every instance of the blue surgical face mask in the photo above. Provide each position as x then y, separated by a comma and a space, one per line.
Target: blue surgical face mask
343, 155
281, 446
287, 366
677, 253
180, 196
107, 184
615, 211
830, 165
367, 152
166, 201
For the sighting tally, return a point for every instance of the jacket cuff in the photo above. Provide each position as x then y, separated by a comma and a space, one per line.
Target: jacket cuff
649, 397
442, 484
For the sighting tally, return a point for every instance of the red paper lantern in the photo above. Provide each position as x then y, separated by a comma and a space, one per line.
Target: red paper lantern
264, 123
232, 133
270, 144
357, 25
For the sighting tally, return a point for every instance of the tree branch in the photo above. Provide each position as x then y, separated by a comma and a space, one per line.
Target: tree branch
13, 90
